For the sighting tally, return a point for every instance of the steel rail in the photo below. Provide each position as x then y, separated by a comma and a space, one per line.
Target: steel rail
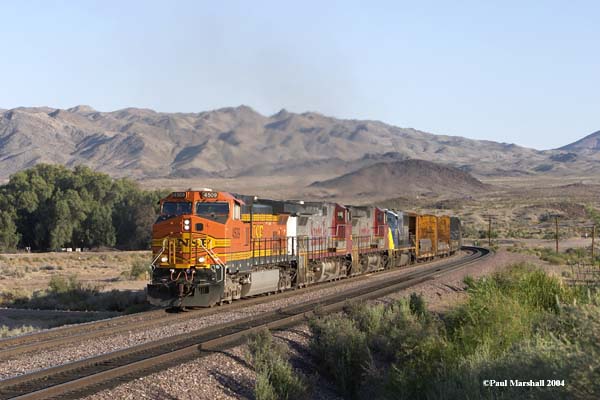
83, 377
54, 338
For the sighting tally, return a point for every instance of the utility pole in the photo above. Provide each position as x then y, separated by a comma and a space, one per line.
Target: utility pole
556, 224
593, 235
490, 218
490, 232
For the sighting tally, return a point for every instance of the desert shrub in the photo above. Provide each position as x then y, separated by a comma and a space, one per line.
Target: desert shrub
504, 309
275, 377
6, 332
349, 348
517, 324
9, 296
12, 272
263, 389
60, 284
417, 304
571, 353
138, 270
68, 293
341, 351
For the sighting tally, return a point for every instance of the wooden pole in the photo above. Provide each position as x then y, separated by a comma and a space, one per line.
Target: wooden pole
593, 235
556, 223
490, 231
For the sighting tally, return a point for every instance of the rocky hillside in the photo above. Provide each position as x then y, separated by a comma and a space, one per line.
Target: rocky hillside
589, 144
239, 142
409, 178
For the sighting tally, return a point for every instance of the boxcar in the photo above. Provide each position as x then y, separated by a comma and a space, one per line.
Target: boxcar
443, 235
426, 238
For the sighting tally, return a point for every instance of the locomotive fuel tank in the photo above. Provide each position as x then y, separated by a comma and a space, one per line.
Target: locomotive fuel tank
259, 282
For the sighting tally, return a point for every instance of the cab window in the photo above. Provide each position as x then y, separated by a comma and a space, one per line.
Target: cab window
172, 209
237, 212
218, 211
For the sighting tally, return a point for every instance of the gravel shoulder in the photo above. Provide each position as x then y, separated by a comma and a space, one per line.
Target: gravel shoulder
227, 375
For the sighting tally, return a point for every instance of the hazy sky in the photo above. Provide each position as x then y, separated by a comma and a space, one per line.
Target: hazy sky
525, 72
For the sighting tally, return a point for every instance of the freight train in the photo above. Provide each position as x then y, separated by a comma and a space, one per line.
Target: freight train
211, 247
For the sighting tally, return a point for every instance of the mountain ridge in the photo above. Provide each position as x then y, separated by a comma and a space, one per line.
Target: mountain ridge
240, 142
590, 142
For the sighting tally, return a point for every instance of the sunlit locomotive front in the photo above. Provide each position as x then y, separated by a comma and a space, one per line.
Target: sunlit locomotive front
204, 250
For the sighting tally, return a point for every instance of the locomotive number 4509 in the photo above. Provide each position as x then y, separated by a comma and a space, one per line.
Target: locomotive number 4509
209, 195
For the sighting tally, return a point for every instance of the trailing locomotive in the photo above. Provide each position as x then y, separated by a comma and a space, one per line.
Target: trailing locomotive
212, 247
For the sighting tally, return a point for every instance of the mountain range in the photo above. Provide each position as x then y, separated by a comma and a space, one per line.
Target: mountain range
239, 143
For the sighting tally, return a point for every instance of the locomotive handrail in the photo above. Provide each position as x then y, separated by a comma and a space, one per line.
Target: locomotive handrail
216, 259
162, 250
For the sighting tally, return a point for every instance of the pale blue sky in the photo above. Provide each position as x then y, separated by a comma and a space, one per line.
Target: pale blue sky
525, 72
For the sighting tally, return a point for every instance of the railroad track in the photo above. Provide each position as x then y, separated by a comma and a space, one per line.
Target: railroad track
80, 378
54, 338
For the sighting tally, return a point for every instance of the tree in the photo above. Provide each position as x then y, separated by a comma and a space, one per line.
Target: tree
9, 237
97, 228
50, 206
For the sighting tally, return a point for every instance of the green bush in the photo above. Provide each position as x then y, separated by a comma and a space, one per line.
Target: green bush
417, 304
275, 377
61, 284
6, 332
68, 293
139, 270
518, 324
341, 351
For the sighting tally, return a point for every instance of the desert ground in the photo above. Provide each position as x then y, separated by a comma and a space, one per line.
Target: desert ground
27, 275
32, 271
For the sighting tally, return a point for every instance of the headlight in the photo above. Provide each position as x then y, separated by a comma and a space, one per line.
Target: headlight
186, 227
164, 259
201, 259
187, 221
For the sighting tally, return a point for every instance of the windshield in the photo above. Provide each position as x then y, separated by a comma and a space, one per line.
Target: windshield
218, 212
173, 209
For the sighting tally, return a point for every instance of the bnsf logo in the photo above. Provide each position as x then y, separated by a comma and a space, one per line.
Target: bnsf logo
186, 242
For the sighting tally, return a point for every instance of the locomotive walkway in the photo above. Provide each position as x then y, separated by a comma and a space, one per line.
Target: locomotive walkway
79, 378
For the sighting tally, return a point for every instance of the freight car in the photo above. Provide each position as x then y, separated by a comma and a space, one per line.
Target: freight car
443, 236
212, 247
426, 238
